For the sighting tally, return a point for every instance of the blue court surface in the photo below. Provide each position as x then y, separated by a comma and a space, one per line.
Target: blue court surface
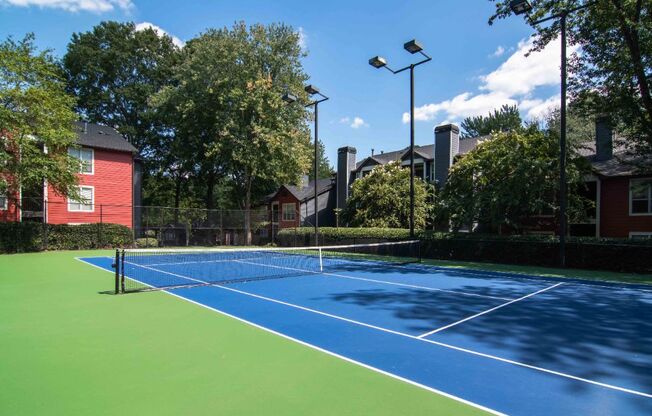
509, 344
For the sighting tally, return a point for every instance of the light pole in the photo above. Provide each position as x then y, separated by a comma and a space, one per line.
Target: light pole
379, 62
289, 98
520, 7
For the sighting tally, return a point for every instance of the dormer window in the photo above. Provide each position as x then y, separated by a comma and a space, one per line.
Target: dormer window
86, 157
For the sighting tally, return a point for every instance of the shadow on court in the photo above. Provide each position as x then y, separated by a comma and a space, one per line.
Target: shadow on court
597, 333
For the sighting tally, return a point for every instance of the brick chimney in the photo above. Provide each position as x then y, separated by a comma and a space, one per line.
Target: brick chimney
345, 164
447, 145
604, 139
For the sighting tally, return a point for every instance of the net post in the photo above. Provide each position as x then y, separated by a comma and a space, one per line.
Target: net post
419, 254
116, 266
321, 263
122, 277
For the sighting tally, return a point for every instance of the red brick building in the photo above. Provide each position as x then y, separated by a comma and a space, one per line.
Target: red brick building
106, 184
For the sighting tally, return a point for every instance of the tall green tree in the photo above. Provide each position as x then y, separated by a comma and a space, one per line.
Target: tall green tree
324, 167
36, 121
503, 119
227, 95
508, 179
382, 199
113, 69
612, 74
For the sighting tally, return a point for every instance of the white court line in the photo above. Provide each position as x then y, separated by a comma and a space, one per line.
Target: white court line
434, 331
441, 344
333, 354
377, 281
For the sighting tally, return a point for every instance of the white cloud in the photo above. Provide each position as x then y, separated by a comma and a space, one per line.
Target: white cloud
303, 38
513, 82
95, 6
147, 25
355, 122
538, 108
358, 122
498, 52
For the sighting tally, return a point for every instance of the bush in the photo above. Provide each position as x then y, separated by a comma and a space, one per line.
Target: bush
146, 242
622, 255
22, 237
329, 235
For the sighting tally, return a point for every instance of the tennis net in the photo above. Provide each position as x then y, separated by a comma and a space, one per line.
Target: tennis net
155, 269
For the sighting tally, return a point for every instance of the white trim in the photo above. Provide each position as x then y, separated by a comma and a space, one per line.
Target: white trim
434, 331
293, 210
649, 198
92, 203
79, 157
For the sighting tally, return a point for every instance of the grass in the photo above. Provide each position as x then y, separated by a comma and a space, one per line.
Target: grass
68, 349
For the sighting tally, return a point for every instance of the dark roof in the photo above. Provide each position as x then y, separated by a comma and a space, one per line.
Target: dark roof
468, 144
425, 152
101, 137
622, 164
306, 192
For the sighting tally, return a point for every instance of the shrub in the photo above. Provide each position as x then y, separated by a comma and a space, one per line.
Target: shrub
146, 242
26, 236
612, 254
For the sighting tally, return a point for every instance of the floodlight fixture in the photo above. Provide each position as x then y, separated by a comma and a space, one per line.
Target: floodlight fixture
413, 46
289, 98
311, 89
378, 62
520, 7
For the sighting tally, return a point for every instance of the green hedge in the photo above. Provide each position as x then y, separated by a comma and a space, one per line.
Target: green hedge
622, 255
28, 236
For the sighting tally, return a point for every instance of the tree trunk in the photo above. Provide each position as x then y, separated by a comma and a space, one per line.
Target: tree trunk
248, 211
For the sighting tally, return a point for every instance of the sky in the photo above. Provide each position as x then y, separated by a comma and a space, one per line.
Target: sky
475, 67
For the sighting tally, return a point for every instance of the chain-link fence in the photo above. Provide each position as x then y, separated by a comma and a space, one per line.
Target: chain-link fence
150, 226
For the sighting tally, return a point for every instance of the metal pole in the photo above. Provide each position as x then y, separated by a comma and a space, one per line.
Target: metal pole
411, 151
562, 148
316, 167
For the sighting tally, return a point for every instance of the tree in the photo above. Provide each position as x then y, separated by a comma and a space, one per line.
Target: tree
382, 199
611, 75
36, 121
113, 70
508, 179
227, 97
504, 119
324, 168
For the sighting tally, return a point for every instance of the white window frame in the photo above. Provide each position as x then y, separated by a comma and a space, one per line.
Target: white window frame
633, 234
92, 201
5, 205
79, 151
293, 211
649, 198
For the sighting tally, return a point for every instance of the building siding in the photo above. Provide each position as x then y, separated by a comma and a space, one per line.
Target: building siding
285, 197
113, 188
615, 220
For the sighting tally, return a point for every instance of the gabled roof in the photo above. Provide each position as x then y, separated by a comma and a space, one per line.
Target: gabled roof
101, 137
622, 164
306, 192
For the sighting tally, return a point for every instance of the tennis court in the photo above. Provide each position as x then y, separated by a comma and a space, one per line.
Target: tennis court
506, 343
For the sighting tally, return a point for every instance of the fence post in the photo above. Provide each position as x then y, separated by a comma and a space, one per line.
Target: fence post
44, 245
116, 266
99, 229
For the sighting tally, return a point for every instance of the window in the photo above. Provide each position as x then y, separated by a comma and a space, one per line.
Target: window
4, 203
86, 202
289, 212
418, 171
86, 157
640, 197
640, 235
